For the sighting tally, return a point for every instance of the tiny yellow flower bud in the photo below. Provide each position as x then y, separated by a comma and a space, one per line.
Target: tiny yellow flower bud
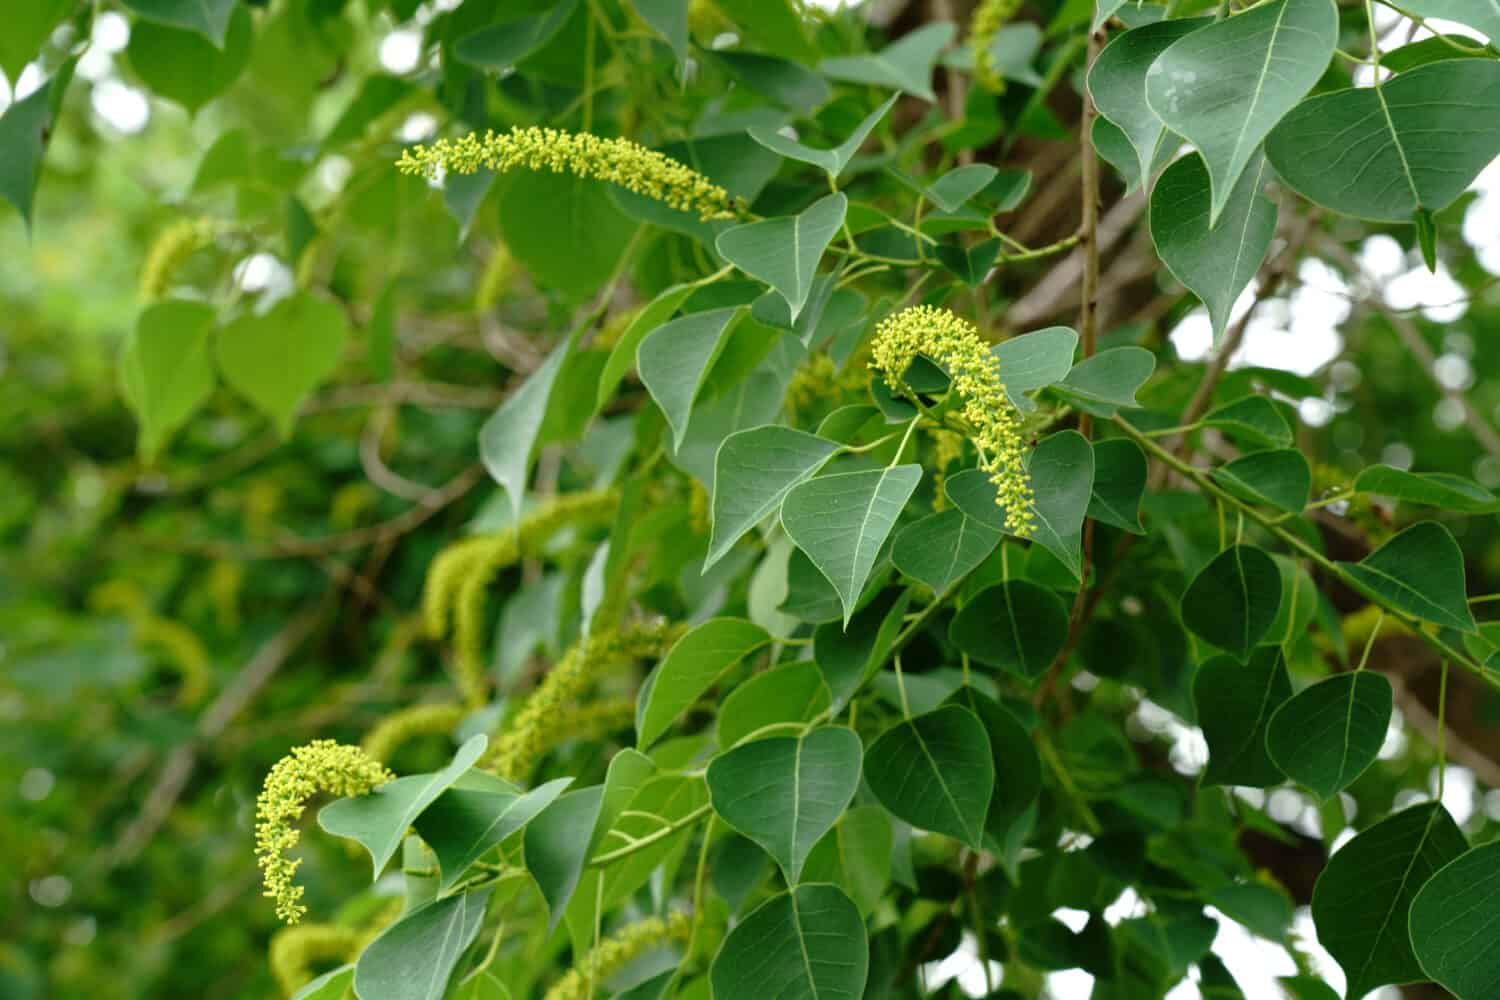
988, 18
617, 951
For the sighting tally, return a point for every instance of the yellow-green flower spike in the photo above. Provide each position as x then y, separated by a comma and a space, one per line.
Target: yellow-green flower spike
320, 766
617, 951
543, 720
988, 18
401, 727
297, 952
169, 251
956, 345
618, 161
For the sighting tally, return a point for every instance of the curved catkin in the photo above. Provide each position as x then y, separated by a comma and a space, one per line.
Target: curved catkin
988, 18
618, 161
543, 721
320, 766
401, 727
296, 952
180, 647
459, 578
169, 251
617, 951
955, 344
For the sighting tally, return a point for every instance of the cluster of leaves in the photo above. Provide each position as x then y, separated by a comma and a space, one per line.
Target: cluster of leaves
893, 719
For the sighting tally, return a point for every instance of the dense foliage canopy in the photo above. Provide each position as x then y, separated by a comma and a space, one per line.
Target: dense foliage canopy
749, 499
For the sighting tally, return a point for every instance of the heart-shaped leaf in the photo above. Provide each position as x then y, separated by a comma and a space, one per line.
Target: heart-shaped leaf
943, 548
832, 161
794, 692
1452, 921
785, 793
498, 47
379, 820
935, 772
1119, 483
1362, 900
1234, 599
906, 64
184, 66
675, 358
1117, 83
842, 521
209, 18
1420, 572
1434, 489
806, 944
508, 438
784, 252
1033, 361
1108, 381
166, 369
753, 472
690, 668
1279, 477
478, 812
1235, 702
1226, 85
1252, 420
1483, 15
556, 846
1016, 626
1216, 261
276, 358
414, 958
1326, 735
1412, 144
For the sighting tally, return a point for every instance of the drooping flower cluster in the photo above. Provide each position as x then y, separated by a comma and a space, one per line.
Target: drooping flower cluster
618, 161
320, 766
956, 345
617, 951
169, 251
296, 952
401, 727
988, 18
461, 574
546, 717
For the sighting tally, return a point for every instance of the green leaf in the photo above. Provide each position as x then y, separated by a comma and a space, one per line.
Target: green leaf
1362, 900
784, 252
794, 692
848, 656
209, 18
787, 83
785, 793
566, 230
1452, 924
753, 472
1110, 143
652, 315
905, 64
1226, 85
498, 47
1108, 381
23, 140
841, 522
1234, 599
1018, 769
1253, 420
1279, 477
1119, 484
332, 985
669, 19
1413, 143
1327, 734
1061, 468
276, 358
1016, 626
414, 958
1215, 262
943, 548
831, 161
855, 854
477, 813
1117, 82
1419, 572
1235, 702
953, 190
1434, 489
1482, 15
690, 668
165, 369
1034, 361
935, 772
1262, 908
806, 944
508, 438
775, 24
556, 846
184, 66
675, 359
27, 27
379, 820
970, 264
